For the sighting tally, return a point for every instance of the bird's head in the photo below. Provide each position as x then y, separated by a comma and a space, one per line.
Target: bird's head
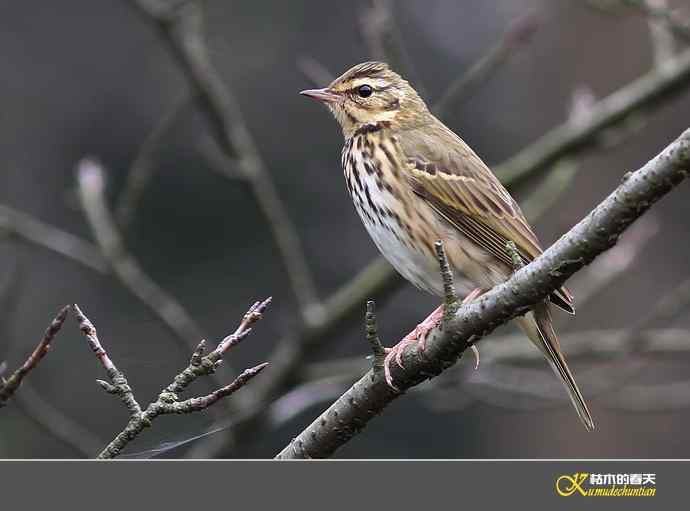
371, 94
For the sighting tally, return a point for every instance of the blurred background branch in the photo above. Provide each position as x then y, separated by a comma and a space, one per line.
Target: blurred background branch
181, 23
571, 138
72, 247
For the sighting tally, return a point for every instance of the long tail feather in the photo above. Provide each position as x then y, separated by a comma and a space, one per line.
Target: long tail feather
539, 328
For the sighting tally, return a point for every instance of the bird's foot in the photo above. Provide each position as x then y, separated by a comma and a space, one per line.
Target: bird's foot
418, 336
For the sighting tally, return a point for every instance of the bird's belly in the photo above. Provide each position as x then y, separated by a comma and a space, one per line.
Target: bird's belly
416, 266
383, 218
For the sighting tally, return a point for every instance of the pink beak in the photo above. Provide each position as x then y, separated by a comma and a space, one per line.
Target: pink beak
324, 95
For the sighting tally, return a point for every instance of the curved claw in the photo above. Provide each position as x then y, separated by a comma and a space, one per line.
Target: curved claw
476, 356
387, 368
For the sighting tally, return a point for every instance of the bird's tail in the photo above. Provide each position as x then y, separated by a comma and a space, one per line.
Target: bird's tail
539, 328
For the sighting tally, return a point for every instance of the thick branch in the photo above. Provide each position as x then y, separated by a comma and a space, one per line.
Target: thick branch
591, 236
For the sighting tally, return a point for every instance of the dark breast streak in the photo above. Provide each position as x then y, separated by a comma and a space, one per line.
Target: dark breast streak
375, 193
356, 163
370, 160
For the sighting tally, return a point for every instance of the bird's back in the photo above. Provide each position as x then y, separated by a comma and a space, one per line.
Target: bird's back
446, 173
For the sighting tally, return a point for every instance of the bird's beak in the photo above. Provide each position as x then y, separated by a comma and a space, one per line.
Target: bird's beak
324, 95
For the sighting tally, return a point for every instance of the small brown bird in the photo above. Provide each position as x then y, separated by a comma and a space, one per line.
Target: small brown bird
413, 182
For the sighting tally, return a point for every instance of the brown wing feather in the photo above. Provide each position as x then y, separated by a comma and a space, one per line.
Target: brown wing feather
462, 189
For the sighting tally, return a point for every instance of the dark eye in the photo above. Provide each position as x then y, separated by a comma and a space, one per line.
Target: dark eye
364, 91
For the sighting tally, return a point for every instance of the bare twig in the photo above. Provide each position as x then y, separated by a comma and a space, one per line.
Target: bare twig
44, 235
168, 401
9, 387
379, 352
534, 282
143, 168
182, 25
517, 35
450, 299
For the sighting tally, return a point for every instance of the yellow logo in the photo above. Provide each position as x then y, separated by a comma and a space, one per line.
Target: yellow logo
567, 485
606, 485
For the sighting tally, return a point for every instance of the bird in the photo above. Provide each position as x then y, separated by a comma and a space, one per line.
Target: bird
414, 182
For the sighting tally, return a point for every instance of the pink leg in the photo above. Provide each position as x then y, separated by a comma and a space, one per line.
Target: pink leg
420, 334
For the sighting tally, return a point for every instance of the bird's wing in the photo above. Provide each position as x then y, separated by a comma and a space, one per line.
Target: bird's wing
455, 182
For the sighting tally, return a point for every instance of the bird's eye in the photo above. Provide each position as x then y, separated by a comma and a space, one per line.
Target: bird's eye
364, 91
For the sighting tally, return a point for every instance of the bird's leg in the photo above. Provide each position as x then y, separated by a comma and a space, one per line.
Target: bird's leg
420, 335
422, 331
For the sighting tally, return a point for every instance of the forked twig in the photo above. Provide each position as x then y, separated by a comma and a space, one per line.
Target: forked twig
168, 401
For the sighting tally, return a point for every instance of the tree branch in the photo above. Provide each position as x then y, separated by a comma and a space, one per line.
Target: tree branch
168, 401
591, 236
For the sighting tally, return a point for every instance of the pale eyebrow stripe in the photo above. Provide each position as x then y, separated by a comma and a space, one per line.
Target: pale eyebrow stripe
376, 83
